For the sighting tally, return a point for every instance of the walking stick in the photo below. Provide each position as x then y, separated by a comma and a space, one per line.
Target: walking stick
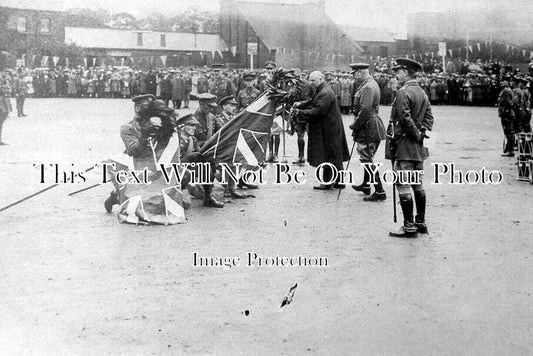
37, 193
394, 216
347, 165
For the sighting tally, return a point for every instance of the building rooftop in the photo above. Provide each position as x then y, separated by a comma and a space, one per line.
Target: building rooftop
151, 40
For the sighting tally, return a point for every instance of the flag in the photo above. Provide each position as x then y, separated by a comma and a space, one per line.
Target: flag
523, 52
470, 48
44, 61
244, 138
55, 60
164, 60
94, 61
451, 52
201, 55
159, 202
506, 48
479, 47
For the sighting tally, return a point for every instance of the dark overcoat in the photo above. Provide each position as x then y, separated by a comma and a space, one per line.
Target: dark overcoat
327, 140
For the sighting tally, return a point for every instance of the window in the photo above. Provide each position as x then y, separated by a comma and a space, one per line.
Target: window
21, 24
163, 40
45, 25
139, 38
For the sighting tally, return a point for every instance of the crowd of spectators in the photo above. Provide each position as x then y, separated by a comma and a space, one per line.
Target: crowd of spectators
460, 83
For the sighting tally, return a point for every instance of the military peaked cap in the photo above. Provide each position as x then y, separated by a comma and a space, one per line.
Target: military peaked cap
407, 64
270, 65
227, 100
188, 119
207, 99
248, 76
358, 66
144, 97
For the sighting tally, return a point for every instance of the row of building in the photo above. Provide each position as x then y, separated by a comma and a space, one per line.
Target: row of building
251, 33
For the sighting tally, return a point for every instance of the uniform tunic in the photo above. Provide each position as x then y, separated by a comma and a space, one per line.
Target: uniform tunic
411, 112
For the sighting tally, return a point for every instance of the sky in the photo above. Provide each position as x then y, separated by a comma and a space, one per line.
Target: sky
388, 14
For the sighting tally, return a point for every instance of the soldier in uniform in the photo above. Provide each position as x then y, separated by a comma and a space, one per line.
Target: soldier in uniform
229, 108
306, 93
526, 102
411, 117
189, 152
249, 93
5, 105
506, 113
518, 103
135, 136
222, 86
207, 122
367, 129
20, 93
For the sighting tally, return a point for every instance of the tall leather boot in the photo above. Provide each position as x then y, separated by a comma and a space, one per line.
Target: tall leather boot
379, 194
276, 142
209, 200
509, 146
420, 218
365, 186
408, 230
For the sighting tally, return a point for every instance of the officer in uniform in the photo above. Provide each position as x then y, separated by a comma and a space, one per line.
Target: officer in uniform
222, 86
208, 124
5, 105
306, 93
518, 103
249, 93
367, 129
189, 152
506, 113
411, 117
20, 93
526, 103
229, 108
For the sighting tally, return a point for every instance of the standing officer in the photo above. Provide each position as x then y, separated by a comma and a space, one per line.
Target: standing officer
506, 113
249, 93
410, 119
222, 86
5, 104
20, 92
518, 103
367, 129
306, 93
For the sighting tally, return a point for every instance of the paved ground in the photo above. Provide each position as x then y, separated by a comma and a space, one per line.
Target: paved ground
75, 281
